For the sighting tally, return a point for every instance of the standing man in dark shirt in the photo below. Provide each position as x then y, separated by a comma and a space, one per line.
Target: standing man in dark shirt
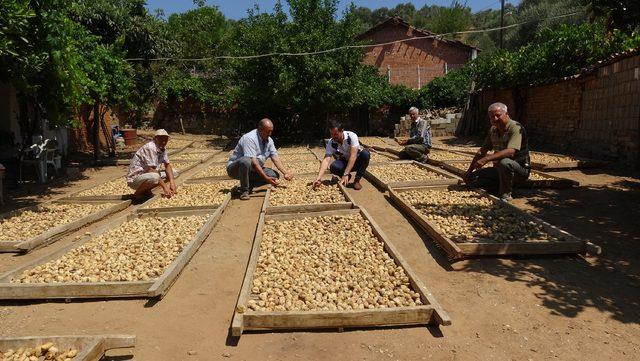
508, 140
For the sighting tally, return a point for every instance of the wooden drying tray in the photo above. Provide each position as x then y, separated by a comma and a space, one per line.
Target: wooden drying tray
123, 289
580, 163
313, 157
55, 233
428, 313
449, 178
283, 151
150, 207
207, 156
90, 348
172, 151
455, 250
551, 182
380, 148
384, 154
303, 208
458, 156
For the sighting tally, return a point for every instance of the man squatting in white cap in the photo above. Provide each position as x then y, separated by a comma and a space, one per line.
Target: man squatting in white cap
144, 172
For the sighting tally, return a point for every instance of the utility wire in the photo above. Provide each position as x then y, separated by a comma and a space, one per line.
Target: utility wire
435, 36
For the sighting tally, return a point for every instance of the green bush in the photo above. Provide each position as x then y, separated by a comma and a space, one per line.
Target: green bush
447, 91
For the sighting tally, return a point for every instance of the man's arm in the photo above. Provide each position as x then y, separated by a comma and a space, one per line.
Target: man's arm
353, 154
276, 160
258, 168
172, 183
323, 168
473, 165
425, 133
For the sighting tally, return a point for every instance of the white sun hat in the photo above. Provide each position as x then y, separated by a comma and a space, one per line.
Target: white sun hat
161, 132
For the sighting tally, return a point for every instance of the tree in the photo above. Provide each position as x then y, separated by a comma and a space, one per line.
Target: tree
300, 92
619, 14
450, 19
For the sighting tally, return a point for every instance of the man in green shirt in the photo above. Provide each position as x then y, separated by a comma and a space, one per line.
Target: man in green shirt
508, 140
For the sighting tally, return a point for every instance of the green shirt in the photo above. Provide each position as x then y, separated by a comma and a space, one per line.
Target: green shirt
513, 137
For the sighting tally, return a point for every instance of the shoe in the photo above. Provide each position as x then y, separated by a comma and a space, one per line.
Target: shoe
245, 196
506, 197
357, 186
423, 159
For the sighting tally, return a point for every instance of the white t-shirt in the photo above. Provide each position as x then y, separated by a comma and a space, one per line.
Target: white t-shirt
350, 139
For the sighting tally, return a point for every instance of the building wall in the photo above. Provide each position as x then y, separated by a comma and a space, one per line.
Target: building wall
402, 60
596, 115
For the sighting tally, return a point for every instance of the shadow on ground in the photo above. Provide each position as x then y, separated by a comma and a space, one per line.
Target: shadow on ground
610, 282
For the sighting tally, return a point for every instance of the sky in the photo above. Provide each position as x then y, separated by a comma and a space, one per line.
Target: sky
236, 9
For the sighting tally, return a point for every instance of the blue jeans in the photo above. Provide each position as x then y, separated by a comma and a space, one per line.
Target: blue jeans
360, 166
242, 169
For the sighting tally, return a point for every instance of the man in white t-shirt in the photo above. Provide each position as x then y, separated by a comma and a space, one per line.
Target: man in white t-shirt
343, 156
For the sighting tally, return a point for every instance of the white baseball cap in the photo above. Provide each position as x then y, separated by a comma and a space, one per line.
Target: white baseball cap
161, 132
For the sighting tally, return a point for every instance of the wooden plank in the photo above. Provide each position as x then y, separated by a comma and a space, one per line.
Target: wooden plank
150, 288
162, 284
570, 244
288, 320
245, 319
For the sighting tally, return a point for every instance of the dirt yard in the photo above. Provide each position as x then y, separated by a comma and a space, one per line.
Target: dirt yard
518, 308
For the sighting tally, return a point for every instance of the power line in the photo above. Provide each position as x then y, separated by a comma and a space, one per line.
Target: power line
361, 46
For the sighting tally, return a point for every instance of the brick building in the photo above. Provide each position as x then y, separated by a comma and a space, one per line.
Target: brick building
413, 63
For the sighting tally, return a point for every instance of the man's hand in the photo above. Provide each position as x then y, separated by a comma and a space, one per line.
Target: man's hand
317, 183
345, 180
167, 193
288, 176
467, 176
173, 187
273, 181
402, 142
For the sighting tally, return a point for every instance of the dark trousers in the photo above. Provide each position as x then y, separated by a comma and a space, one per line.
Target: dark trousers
360, 166
501, 178
242, 169
414, 151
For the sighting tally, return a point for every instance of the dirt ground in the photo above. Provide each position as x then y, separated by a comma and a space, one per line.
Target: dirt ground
517, 308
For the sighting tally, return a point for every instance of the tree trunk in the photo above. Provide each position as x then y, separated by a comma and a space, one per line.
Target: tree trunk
96, 130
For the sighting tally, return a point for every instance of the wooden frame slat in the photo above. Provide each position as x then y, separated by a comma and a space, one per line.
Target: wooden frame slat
455, 250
